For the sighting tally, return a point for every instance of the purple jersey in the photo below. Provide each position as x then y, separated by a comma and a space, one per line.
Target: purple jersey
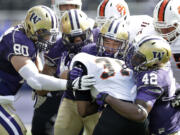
55, 53
90, 49
60, 56
157, 87
13, 42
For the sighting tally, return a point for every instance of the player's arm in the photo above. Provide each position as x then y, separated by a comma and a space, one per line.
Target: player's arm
48, 70
83, 98
28, 70
85, 105
137, 111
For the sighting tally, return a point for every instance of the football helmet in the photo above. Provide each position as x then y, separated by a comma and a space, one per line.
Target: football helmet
167, 19
113, 30
74, 23
41, 26
111, 8
58, 3
149, 52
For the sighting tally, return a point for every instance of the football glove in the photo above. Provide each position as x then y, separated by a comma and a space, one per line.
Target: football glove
75, 72
81, 83
176, 101
100, 99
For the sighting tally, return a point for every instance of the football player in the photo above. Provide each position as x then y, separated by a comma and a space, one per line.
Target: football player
109, 74
76, 33
108, 9
166, 24
20, 47
61, 6
44, 113
111, 9
149, 58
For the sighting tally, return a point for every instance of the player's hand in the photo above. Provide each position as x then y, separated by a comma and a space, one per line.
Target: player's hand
38, 100
100, 98
74, 73
82, 83
175, 103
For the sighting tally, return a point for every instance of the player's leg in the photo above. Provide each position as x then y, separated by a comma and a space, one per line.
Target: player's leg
68, 120
90, 123
10, 123
176, 133
44, 117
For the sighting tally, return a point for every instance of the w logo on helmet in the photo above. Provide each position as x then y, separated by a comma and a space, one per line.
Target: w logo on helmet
34, 18
158, 55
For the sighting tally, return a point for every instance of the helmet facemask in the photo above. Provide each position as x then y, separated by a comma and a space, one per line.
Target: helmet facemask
114, 52
44, 39
138, 61
69, 40
168, 32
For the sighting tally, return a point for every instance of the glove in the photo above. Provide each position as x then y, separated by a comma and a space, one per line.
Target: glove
74, 73
177, 92
175, 103
38, 100
81, 83
100, 99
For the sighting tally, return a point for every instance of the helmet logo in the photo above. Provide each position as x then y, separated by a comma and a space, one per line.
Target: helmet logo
34, 18
121, 9
178, 9
158, 55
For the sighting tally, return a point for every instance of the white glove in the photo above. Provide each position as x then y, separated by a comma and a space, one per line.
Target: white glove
82, 83
38, 100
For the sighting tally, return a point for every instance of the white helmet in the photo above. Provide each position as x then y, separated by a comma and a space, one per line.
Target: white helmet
167, 19
57, 3
111, 8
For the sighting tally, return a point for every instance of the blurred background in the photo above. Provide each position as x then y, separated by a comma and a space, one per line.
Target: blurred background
13, 12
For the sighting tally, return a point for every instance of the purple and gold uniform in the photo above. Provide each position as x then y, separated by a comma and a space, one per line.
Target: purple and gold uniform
163, 118
68, 116
13, 42
45, 115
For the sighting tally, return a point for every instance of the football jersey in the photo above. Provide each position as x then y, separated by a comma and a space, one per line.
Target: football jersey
13, 42
136, 23
60, 57
157, 87
110, 75
175, 48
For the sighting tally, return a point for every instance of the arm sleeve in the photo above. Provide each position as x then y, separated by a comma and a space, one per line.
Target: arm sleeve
40, 81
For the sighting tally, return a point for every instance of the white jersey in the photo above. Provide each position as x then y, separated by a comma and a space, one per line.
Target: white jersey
136, 23
110, 75
175, 48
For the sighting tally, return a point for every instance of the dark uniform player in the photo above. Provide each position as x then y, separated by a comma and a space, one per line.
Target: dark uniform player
149, 58
59, 57
19, 47
113, 42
